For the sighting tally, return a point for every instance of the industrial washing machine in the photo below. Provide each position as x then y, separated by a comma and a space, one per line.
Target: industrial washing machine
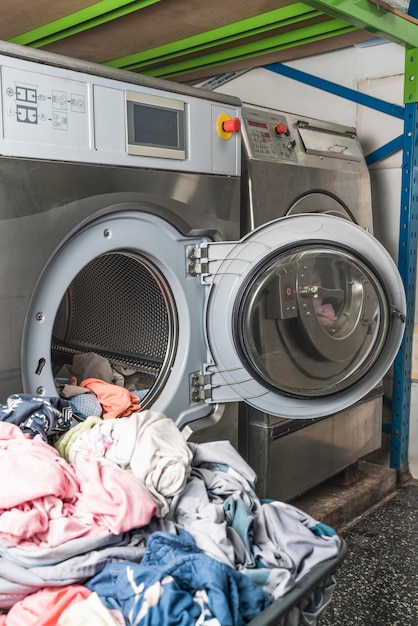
120, 217
292, 164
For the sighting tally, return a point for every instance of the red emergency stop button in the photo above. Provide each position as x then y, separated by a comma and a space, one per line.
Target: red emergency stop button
226, 126
232, 125
281, 129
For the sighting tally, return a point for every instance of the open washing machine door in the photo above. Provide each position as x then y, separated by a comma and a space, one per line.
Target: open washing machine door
304, 318
301, 318
118, 287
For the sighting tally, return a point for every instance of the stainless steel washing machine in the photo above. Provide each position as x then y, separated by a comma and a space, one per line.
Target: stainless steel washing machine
82, 145
120, 217
294, 165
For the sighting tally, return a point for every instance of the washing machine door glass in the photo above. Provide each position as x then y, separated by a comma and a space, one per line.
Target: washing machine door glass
304, 318
319, 309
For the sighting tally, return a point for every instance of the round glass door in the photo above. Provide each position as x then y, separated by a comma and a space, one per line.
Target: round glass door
313, 321
304, 317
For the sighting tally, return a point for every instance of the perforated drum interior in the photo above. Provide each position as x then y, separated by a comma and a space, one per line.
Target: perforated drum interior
120, 307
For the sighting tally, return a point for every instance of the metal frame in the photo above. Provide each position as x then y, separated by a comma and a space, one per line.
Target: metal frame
407, 261
202, 50
408, 225
366, 15
99, 13
297, 24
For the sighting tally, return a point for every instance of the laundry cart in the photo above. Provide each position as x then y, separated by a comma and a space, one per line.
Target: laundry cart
300, 605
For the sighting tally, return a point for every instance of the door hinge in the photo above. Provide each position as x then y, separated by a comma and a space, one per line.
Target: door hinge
197, 260
204, 260
200, 386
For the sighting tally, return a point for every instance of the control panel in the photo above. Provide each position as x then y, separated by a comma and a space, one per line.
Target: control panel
269, 135
36, 110
276, 136
50, 112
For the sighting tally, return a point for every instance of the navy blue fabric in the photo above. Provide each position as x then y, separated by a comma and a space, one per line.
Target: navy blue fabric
182, 568
47, 417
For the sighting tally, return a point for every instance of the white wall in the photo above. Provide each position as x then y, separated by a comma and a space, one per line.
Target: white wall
376, 70
345, 67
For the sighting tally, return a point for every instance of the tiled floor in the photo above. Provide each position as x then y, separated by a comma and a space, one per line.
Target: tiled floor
377, 584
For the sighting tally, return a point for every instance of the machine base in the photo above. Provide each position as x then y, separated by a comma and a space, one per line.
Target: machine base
290, 458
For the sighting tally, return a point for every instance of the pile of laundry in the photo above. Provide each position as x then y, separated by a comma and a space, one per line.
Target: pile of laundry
120, 520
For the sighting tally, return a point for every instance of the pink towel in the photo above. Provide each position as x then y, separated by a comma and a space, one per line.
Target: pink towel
45, 501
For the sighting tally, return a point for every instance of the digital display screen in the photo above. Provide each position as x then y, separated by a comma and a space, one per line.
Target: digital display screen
257, 124
156, 128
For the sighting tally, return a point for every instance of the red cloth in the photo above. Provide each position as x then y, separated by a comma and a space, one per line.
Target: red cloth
116, 401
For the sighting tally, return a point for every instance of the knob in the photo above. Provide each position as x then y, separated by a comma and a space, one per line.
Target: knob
232, 125
281, 129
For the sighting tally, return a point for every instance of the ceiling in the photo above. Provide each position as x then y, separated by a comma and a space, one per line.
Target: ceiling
189, 40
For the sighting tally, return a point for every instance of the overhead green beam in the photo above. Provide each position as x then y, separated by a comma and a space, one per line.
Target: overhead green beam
94, 15
366, 15
309, 34
225, 34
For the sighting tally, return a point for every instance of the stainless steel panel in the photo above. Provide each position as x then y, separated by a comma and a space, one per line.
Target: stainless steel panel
42, 202
326, 142
270, 188
269, 191
289, 462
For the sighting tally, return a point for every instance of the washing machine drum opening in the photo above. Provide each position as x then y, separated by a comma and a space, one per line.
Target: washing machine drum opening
119, 307
313, 322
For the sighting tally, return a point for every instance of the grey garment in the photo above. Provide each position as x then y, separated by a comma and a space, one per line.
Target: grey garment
38, 557
225, 484
218, 473
17, 582
193, 510
91, 365
283, 537
205, 520
223, 453
65, 390
284, 541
